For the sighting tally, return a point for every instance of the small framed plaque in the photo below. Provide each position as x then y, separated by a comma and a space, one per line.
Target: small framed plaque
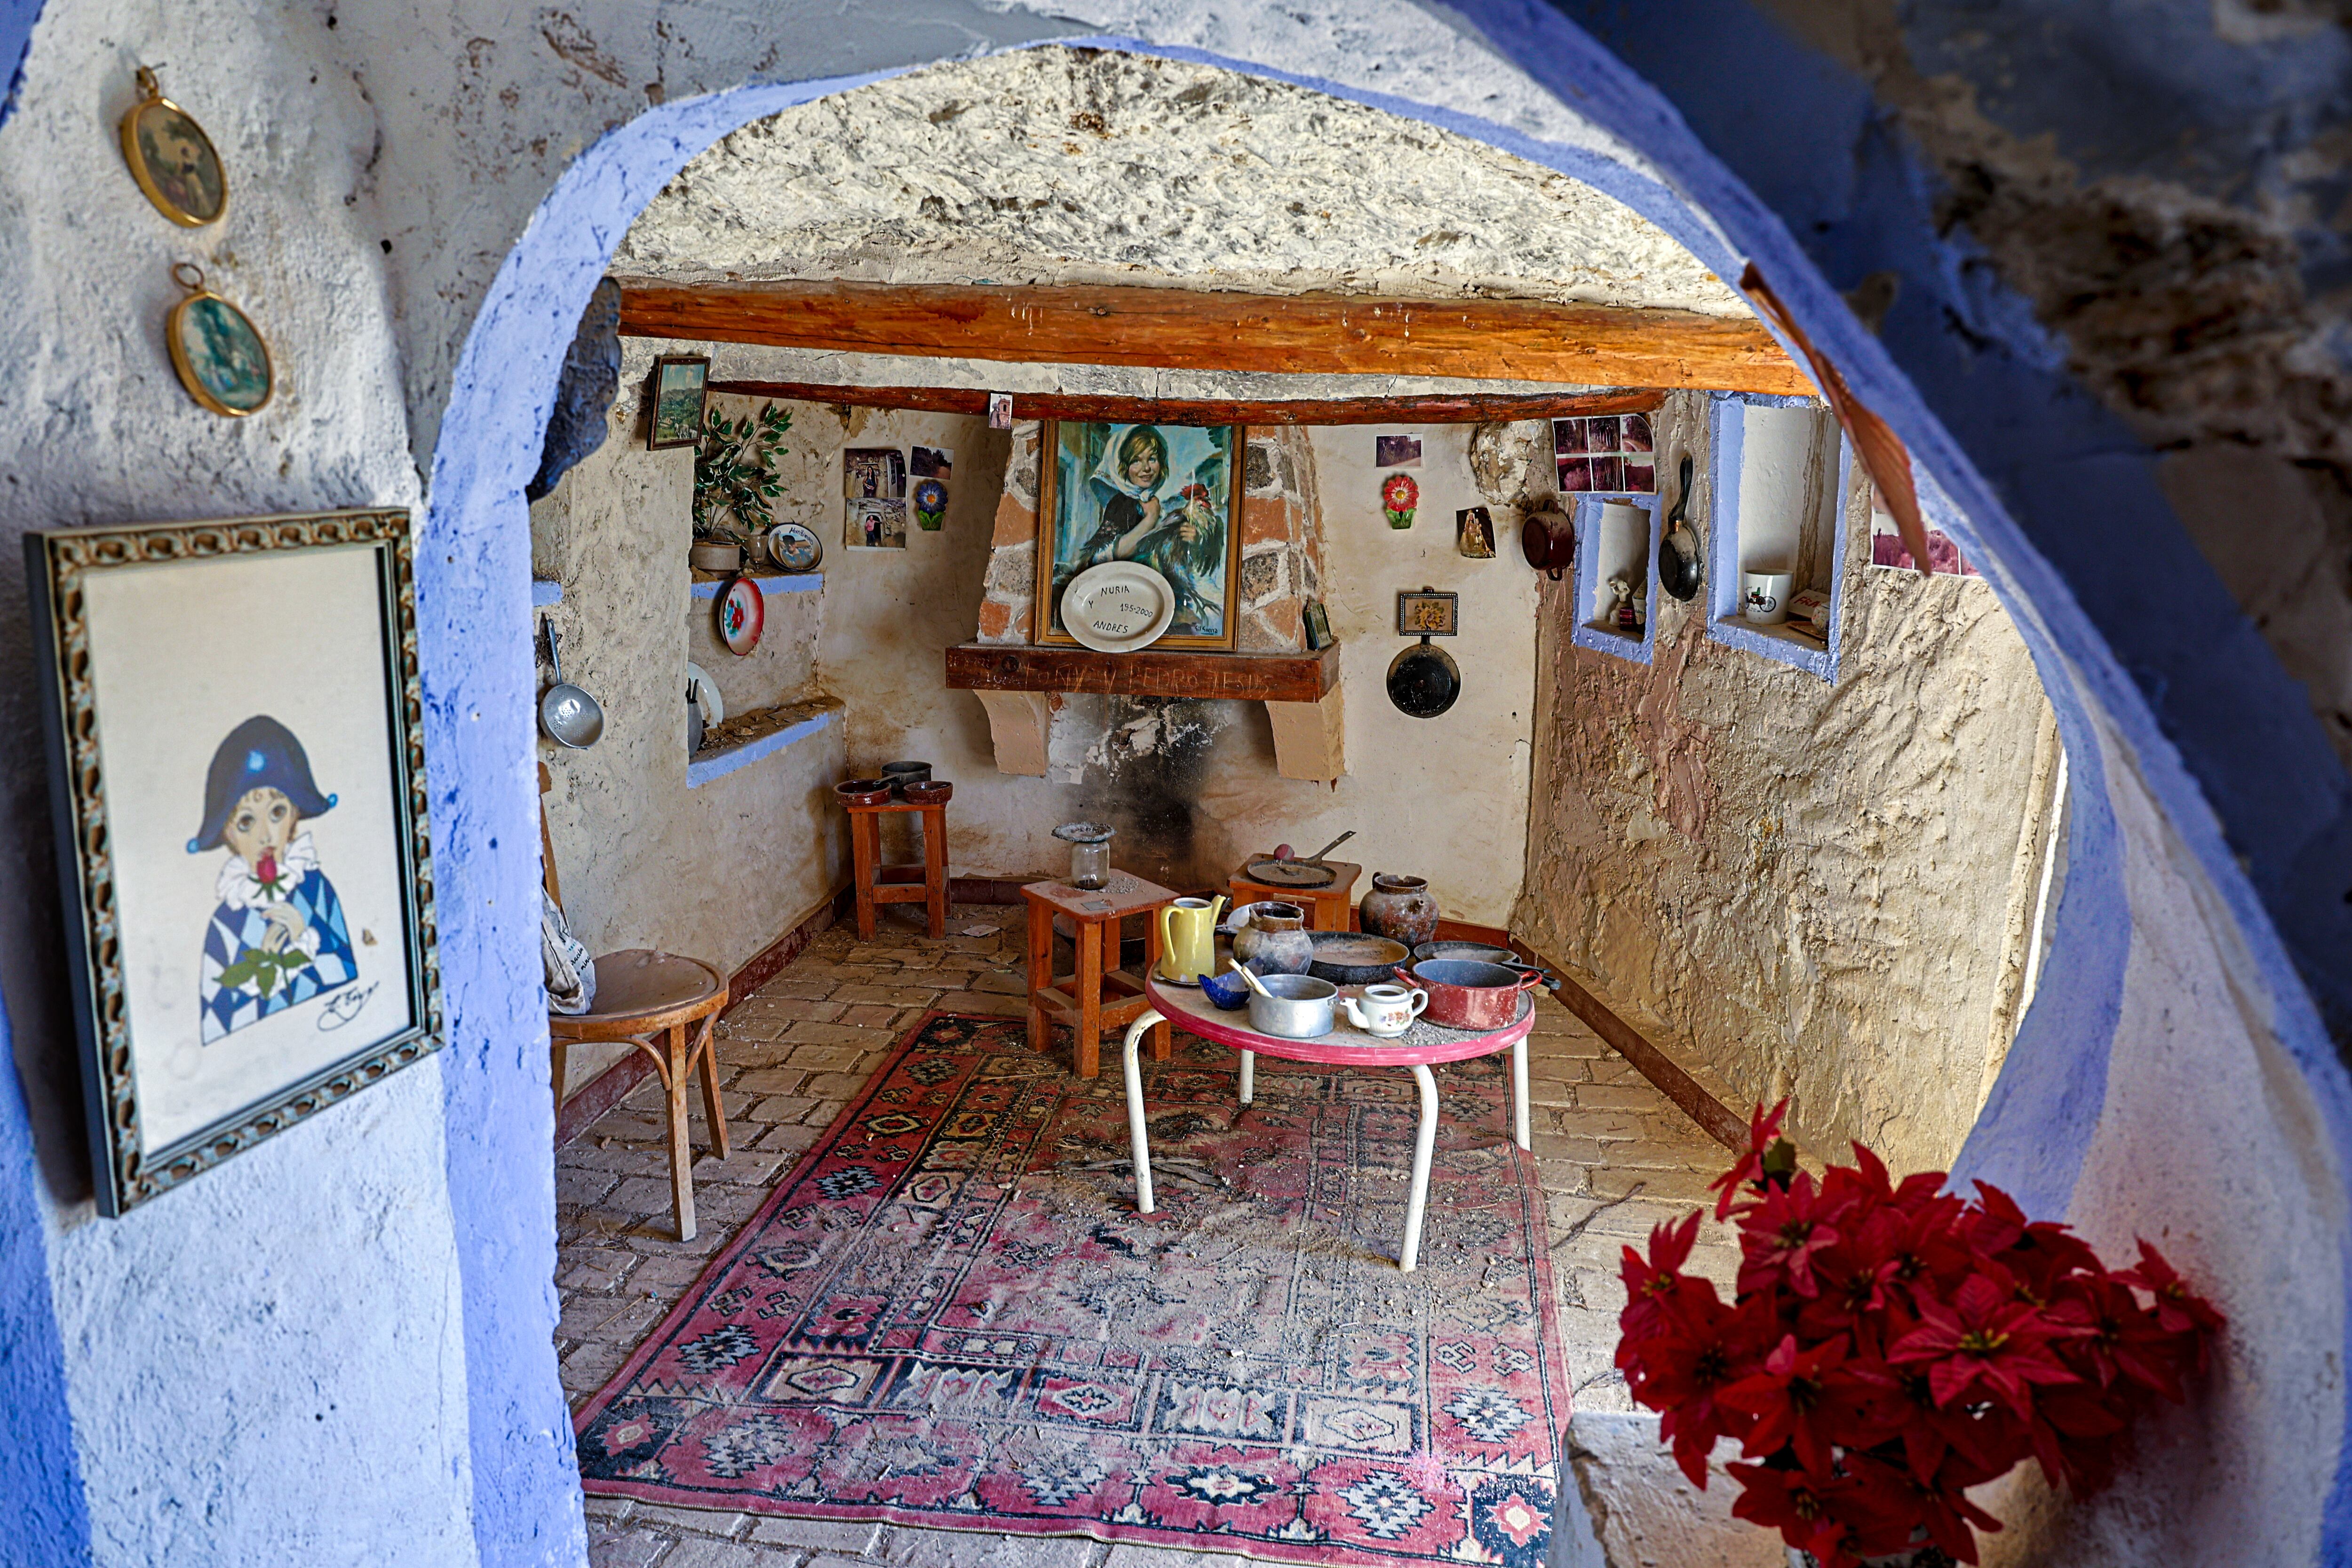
1427, 613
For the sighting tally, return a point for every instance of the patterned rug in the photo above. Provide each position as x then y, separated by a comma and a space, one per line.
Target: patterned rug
950, 1315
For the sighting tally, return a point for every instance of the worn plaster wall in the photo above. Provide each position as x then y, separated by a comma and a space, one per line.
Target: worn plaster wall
1807, 887
338, 1389
721, 869
889, 614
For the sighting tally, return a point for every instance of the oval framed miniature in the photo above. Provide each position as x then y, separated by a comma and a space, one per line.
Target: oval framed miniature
245, 867
218, 352
173, 159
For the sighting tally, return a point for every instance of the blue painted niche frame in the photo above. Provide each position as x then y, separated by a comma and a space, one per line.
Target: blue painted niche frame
57, 564
1726, 429
1583, 632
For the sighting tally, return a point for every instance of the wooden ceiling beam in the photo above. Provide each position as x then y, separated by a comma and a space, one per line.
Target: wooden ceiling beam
1443, 409
1176, 329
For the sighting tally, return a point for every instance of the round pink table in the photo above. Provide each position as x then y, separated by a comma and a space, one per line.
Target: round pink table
1345, 1046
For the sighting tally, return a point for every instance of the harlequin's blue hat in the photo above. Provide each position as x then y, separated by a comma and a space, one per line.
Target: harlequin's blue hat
260, 754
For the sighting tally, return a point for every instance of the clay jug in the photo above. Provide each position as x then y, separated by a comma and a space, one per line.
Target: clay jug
1275, 940
1400, 909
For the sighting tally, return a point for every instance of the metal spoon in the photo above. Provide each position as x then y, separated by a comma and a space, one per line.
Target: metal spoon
569, 715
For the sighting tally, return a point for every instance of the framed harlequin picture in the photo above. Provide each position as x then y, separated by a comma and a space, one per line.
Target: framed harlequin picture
237, 782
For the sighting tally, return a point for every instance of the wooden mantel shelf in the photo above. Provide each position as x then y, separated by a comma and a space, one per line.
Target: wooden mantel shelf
1014, 682
1248, 676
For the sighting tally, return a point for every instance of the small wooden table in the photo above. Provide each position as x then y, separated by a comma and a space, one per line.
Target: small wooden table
1345, 1046
866, 854
1328, 907
1077, 999
642, 995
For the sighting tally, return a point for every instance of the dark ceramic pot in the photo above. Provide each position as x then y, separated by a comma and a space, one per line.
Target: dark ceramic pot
1400, 909
1276, 940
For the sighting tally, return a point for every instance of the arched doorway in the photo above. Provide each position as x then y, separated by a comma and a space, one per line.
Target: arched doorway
2046, 1118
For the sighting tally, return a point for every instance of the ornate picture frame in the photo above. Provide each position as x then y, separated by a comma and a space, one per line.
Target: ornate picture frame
1091, 509
232, 981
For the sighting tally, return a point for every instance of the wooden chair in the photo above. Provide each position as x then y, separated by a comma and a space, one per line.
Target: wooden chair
663, 1005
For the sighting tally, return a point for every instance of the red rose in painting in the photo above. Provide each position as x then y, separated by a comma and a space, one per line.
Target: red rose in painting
1891, 1345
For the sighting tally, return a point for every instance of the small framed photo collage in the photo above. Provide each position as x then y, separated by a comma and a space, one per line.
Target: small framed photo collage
1610, 453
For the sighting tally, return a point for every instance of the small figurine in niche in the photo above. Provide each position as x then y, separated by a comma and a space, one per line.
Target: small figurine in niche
277, 937
1627, 615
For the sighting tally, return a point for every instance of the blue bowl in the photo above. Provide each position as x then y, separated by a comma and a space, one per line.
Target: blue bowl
1230, 991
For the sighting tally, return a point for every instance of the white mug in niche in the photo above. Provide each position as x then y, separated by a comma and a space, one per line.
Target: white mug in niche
1385, 1010
1764, 597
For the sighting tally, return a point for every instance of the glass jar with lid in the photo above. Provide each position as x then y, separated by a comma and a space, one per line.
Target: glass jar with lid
1089, 845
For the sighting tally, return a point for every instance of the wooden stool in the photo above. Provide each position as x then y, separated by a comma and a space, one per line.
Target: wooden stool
641, 997
1328, 907
865, 851
1077, 999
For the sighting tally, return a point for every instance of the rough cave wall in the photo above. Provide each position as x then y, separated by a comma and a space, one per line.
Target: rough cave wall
721, 869
1061, 167
2170, 197
1806, 887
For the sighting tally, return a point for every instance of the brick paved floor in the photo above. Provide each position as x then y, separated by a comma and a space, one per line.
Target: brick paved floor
1614, 1156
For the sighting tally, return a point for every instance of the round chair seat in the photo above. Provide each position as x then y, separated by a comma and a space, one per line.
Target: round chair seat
640, 983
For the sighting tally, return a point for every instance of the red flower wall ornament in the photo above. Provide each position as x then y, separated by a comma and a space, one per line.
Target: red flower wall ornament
1400, 495
1890, 1346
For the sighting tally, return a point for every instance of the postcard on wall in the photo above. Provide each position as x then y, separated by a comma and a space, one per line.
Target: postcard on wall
932, 463
1396, 451
1166, 495
241, 848
876, 525
873, 473
1610, 453
1475, 529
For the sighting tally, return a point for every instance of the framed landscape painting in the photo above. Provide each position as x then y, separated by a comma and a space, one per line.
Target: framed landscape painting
1168, 496
681, 384
241, 840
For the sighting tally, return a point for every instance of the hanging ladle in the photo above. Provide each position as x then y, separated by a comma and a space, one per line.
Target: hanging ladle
1679, 568
569, 715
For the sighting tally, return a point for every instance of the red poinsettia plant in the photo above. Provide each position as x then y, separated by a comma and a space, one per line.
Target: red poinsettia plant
1891, 1345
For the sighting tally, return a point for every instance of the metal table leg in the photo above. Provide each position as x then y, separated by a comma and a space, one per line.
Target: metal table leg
1137, 1140
1519, 1093
1423, 1144
1249, 1078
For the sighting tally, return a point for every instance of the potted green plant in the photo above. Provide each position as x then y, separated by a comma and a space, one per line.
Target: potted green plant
733, 484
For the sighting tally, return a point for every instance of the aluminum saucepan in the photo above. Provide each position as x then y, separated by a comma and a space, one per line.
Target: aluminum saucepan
1466, 995
1296, 1007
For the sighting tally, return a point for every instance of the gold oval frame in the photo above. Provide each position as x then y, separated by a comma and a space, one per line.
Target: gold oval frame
188, 378
151, 96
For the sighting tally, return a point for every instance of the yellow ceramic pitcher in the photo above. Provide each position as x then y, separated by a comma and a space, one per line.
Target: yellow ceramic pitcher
1187, 938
